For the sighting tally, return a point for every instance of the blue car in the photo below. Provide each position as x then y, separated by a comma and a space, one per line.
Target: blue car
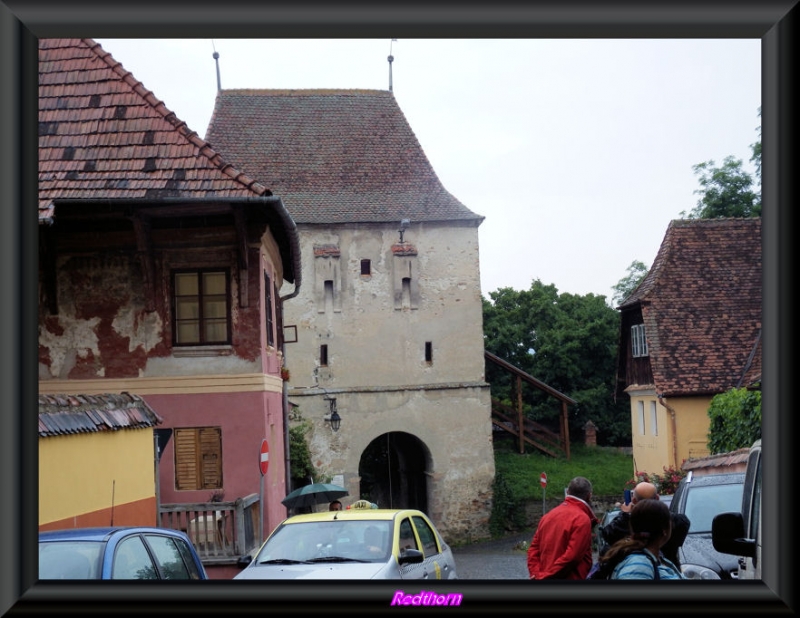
118, 553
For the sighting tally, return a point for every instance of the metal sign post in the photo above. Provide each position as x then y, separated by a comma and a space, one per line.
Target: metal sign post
263, 466
543, 481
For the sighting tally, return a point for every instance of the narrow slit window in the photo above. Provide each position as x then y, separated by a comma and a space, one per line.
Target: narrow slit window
406, 292
328, 296
268, 310
654, 417
323, 355
428, 352
640, 411
366, 267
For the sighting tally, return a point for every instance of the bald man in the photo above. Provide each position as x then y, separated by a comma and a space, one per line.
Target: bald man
618, 528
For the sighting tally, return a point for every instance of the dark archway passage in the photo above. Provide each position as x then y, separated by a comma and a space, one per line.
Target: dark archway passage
392, 471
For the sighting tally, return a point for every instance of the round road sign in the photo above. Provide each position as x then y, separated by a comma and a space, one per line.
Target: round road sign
263, 459
543, 480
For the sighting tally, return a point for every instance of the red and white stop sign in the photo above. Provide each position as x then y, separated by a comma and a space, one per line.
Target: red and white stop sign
263, 458
543, 480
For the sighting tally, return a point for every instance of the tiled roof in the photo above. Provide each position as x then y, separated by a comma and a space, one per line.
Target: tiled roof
103, 135
334, 156
701, 306
720, 460
70, 414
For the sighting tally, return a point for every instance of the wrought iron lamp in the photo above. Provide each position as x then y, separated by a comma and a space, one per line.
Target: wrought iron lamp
334, 418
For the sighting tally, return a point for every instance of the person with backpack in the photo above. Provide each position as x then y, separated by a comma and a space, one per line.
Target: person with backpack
619, 527
639, 555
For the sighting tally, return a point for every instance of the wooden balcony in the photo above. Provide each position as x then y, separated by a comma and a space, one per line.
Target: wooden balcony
220, 531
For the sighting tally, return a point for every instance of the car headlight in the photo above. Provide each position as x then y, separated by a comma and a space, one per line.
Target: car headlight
695, 571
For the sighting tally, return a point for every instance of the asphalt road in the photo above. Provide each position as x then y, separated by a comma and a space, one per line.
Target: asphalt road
496, 559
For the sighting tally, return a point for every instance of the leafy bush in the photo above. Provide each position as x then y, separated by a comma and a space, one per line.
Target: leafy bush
299, 453
734, 420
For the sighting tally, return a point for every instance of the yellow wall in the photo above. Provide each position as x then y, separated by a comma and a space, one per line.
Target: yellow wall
652, 453
693, 424
87, 473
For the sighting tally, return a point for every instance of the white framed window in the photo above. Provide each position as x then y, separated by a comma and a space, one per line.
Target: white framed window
638, 341
640, 416
654, 417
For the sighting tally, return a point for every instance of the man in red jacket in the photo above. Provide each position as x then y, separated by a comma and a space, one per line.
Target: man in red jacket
561, 547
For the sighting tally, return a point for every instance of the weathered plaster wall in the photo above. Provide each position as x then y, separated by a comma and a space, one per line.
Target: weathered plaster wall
377, 368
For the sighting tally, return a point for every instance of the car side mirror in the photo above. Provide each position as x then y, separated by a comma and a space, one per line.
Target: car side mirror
243, 561
411, 556
728, 537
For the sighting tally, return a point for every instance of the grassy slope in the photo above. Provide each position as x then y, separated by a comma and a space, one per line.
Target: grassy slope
517, 480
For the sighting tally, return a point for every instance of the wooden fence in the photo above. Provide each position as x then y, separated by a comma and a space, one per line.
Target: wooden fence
220, 531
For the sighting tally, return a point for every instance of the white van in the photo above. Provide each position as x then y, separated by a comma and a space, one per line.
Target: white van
740, 533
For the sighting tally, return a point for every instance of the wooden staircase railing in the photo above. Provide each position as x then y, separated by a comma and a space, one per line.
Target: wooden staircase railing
525, 430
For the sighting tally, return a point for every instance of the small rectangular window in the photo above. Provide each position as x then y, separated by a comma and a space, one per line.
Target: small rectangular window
638, 341
323, 355
366, 267
201, 308
428, 352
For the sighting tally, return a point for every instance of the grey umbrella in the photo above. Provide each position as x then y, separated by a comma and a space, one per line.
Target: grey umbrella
316, 493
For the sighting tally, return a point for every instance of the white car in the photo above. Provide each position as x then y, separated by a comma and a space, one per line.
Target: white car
353, 544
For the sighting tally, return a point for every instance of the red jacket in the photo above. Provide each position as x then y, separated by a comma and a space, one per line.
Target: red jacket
561, 547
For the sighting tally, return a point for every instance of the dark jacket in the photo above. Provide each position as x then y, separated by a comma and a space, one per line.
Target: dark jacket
618, 528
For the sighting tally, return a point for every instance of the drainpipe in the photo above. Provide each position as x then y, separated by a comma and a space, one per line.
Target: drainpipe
674, 428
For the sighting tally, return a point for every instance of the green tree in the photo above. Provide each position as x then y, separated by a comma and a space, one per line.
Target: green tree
567, 341
734, 420
728, 190
637, 271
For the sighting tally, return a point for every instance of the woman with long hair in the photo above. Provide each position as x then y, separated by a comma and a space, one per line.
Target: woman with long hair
639, 556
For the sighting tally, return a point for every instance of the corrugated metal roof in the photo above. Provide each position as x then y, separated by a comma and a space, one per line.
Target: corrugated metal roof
69, 414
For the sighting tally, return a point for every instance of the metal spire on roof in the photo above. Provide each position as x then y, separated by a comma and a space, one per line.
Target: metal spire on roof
391, 59
216, 59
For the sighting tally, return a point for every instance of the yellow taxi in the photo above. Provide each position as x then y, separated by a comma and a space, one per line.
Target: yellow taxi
360, 543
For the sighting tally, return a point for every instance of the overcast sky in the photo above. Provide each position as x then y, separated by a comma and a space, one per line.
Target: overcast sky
578, 153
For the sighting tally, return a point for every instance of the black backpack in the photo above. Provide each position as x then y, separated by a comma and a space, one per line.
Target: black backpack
603, 570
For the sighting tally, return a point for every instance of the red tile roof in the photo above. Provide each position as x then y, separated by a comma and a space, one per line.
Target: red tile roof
103, 135
334, 156
69, 414
701, 306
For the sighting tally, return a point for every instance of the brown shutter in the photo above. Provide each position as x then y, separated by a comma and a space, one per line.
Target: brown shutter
186, 472
211, 457
198, 458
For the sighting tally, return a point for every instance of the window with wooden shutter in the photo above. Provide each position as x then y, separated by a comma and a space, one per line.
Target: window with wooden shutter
198, 458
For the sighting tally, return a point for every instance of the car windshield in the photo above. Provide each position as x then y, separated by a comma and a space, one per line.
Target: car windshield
319, 541
70, 559
703, 503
